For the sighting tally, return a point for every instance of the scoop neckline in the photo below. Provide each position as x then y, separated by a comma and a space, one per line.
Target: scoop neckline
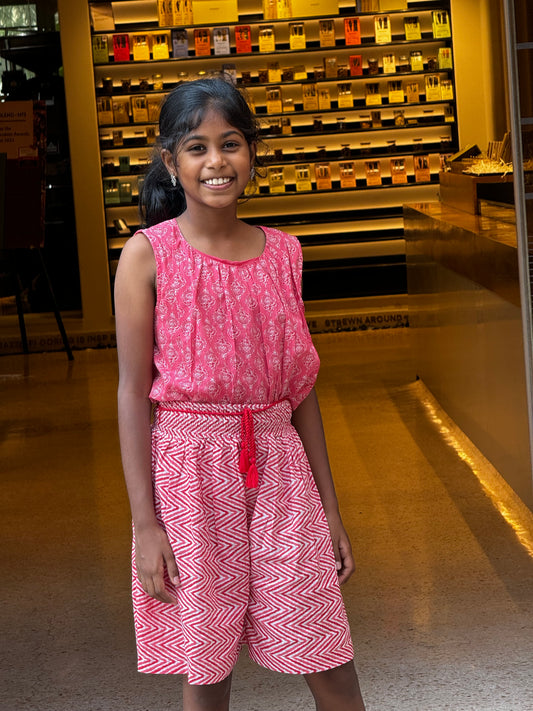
220, 259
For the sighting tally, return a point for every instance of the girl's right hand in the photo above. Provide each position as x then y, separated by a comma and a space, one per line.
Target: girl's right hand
152, 554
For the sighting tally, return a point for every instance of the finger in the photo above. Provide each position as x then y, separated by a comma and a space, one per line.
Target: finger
348, 566
172, 569
160, 592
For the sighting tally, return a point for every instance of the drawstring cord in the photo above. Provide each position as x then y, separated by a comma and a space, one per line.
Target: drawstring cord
247, 461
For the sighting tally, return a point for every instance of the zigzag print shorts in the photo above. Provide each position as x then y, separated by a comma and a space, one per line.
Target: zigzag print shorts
256, 564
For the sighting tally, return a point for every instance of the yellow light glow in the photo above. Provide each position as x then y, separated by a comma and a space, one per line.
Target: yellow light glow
506, 501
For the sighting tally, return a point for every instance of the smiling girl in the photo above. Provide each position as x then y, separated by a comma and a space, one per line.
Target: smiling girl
237, 533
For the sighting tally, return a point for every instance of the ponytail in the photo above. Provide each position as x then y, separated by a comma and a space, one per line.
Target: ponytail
159, 200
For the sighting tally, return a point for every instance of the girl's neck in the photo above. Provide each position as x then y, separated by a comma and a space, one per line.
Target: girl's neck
209, 224
230, 239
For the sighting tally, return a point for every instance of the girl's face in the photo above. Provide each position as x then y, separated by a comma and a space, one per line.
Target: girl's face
212, 163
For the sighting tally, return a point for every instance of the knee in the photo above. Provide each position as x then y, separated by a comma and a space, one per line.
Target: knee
208, 697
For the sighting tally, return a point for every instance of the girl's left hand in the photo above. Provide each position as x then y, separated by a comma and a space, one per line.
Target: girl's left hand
341, 547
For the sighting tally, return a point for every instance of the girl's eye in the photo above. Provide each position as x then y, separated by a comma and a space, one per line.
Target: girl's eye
195, 148
231, 144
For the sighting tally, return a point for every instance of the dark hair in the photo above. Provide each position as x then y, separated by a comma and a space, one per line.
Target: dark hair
182, 111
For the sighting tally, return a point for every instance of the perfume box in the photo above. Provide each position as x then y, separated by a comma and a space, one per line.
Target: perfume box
276, 180
356, 65
416, 60
267, 38
389, 64
139, 109
221, 40
274, 100
433, 90
347, 174
412, 91
324, 99
446, 89
274, 72
445, 58
104, 107
310, 97
180, 43
352, 30
412, 28
372, 95
165, 14
121, 48
396, 95
141, 47
373, 172
382, 29
111, 191
422, 169
297, 35
153, 106
344, 95
177, 13
243, 39
398, 171
303, 177
323, 176
326, 33
121, 111
100, 49
202, 42
160, 46
440, 24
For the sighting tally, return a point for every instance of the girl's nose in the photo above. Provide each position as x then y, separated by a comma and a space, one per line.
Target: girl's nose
215, 158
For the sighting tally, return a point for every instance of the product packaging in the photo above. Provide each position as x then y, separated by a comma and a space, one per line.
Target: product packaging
382, 29
243, 39
100, 49
352, 30
398, 171
202, 42
121, 48
141, 47
303, 177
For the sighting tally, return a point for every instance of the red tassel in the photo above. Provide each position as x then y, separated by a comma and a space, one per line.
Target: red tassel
244, 463
252, 478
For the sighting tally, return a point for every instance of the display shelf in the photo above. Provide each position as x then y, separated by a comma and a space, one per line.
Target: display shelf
350, 131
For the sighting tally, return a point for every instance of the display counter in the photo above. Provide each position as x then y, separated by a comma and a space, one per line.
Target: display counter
465, 315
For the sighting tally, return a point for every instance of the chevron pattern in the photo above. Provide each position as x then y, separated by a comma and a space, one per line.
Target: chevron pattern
256, 564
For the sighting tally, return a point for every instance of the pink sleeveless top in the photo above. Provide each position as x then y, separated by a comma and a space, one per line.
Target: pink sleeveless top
230, 332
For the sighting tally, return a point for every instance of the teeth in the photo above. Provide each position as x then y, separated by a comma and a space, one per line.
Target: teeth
217, 181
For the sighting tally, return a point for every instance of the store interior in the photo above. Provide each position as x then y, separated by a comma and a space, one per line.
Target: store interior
417, 291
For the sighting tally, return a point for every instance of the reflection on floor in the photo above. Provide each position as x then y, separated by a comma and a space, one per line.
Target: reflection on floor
441, 606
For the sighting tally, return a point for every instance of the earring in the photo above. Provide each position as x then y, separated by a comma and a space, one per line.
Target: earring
252, 173
173, 180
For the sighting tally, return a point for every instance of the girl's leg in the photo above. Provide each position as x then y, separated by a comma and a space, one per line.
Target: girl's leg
336, 689
208, 697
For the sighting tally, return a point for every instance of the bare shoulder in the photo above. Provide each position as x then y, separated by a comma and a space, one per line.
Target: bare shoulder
137, 259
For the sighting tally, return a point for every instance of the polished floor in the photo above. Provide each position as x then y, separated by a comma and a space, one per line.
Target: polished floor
441, 606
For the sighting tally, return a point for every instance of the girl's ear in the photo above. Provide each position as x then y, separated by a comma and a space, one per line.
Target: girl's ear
168, 161
253, 151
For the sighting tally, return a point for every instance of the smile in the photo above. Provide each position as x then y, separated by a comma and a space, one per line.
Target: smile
217, 181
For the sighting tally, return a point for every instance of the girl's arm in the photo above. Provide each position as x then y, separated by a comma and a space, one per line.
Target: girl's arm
308, 422
134, 310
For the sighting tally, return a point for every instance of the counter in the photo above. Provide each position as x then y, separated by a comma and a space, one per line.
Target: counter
464, 311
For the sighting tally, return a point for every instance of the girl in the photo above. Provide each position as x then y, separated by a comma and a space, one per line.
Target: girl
237, 533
